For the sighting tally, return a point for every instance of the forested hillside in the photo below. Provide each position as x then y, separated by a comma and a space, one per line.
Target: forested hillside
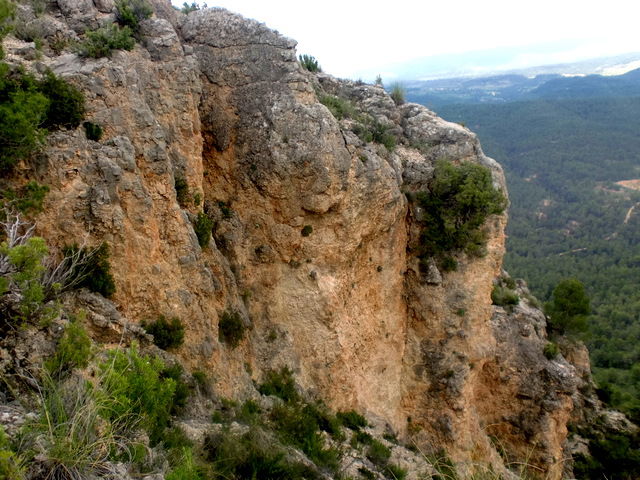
575, 212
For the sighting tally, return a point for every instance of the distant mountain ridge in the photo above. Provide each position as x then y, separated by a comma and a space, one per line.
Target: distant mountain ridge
513, 87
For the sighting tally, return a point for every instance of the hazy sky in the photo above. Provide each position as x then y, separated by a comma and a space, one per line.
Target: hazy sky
354, 38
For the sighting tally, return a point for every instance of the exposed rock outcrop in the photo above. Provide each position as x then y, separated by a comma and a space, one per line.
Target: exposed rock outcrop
220, 103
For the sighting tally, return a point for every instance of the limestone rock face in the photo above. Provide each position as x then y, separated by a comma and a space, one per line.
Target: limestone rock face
314, 239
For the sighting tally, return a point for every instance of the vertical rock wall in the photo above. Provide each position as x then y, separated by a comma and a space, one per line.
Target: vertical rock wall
314, 239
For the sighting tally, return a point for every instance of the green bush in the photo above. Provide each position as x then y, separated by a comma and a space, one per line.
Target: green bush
181, 391
569, 307
613, 455
252, 456
187, 469
551, 350
203, 227
66, 103
7, 14
101, 42
339, 107
201, 379
93, 131
394, 472
182, 191
93, 270
352, 420
11, 464
369, 129
28, 107
397, 93
187, 9
378, 453
167, 333
309, 63
73, 351
23, 109
231, 328
458, 202
280, 384
129, 13
297, 425
27, 199
23, 276
135, 388
70, 439
504, 296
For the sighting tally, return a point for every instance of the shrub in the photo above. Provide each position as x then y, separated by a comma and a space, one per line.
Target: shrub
134, 387
504, 296
182, 191
28, 106
280, 384
186, 468
372, 130
231, 328
69, 439
394, 472
298, 426
201, 380
93, 270
309, 63
66, 103
225, 209
7, 14
93, 131
339, 107
27, 200
569, 307
551, 350
306, 230
378, 453
181, 391
101, 42
203, 227
167, 333
23, 109
11, 464
74, 349
397, 93
459, 200
21, 277
187, 9
129, 13
252, 455
352, 420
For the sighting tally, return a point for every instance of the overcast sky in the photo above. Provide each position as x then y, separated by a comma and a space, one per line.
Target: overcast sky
354, 38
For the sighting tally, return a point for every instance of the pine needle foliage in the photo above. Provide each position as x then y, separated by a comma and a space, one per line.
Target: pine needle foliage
453, 210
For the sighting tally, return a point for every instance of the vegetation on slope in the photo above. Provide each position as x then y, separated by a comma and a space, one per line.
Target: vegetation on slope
570, 218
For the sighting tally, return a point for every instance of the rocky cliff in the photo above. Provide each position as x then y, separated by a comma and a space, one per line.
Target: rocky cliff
315, 236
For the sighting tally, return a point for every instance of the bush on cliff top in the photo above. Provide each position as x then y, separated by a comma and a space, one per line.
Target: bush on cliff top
458, 202
103, 41
29, 107
130, 13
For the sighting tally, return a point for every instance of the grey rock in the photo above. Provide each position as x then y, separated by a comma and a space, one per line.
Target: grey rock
104, 6
433, 275
80, 14
160, 39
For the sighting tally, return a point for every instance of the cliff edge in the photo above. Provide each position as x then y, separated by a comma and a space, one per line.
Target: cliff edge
309, 186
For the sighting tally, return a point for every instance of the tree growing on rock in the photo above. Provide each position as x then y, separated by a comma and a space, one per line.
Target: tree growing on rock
569, 307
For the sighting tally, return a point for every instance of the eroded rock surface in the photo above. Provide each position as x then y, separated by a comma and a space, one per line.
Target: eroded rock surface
313, 239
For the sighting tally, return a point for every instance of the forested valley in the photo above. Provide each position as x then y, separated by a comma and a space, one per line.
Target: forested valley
573, 171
